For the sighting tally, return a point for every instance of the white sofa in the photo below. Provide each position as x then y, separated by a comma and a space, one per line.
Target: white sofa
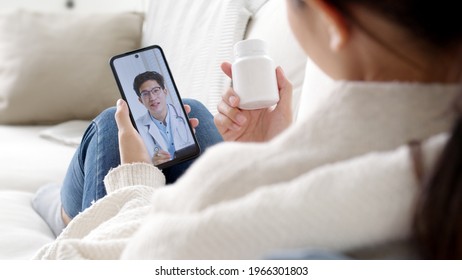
196, 37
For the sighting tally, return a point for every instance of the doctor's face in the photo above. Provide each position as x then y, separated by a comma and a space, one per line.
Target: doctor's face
153, 98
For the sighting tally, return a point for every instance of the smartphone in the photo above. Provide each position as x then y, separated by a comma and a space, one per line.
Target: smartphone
156, 109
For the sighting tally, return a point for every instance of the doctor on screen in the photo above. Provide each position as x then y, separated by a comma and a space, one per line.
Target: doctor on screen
162, 123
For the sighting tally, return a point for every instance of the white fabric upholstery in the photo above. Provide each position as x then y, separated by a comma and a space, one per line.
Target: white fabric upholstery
68, 133
22, 230
29, 161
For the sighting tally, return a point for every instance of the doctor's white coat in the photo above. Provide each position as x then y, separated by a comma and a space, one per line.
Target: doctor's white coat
153, 138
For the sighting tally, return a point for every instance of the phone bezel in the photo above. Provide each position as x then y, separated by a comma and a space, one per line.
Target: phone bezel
196, 151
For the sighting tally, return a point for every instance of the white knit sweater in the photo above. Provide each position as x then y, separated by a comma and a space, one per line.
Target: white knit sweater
340, 179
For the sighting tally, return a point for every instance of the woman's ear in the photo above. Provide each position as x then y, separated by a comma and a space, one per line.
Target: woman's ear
335, 21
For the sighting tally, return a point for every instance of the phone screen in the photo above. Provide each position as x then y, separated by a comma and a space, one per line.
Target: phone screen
156, 109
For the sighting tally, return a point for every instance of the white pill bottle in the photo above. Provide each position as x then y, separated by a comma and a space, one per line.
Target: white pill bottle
254, 75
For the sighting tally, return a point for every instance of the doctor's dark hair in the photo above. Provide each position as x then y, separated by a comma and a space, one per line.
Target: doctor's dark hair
147, 76
437, 222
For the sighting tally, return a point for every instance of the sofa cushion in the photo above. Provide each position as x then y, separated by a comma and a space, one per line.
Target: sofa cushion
197, 36
55, 66
67, 133
29, 161
22, 230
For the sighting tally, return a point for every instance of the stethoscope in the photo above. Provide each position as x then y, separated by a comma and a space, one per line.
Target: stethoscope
177, 117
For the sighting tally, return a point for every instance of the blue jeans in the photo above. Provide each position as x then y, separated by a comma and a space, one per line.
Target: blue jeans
99, 152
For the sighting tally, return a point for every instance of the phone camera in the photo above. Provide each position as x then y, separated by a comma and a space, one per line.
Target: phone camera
136, 56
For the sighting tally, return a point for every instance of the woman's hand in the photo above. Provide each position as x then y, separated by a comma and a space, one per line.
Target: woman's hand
259, 125
131, 146
193, 121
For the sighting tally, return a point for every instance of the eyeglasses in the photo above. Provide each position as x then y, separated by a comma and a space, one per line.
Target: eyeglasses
145, 94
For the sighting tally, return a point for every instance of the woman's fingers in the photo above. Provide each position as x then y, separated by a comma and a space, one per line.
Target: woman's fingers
194, 122
226, 68
131, 146
223, 123
187, 108
285, 91
234, 115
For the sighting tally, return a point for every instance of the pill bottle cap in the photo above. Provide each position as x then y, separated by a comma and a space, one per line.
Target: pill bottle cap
250, 47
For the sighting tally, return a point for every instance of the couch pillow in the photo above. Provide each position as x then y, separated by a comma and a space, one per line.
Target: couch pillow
197, 36
54, 67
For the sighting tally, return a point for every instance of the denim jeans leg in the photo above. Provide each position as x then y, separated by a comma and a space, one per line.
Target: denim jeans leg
96, 155
99, 152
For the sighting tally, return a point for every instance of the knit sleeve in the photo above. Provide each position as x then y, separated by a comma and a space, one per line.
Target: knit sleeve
133, 174
341, 206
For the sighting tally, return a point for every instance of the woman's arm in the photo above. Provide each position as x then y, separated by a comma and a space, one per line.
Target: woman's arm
343, 206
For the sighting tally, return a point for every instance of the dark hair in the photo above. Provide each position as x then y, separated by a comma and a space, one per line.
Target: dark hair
147, 76
437, 226
433, 22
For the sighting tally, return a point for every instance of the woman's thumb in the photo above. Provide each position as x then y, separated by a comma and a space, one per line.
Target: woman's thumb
285, 90
122, 116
